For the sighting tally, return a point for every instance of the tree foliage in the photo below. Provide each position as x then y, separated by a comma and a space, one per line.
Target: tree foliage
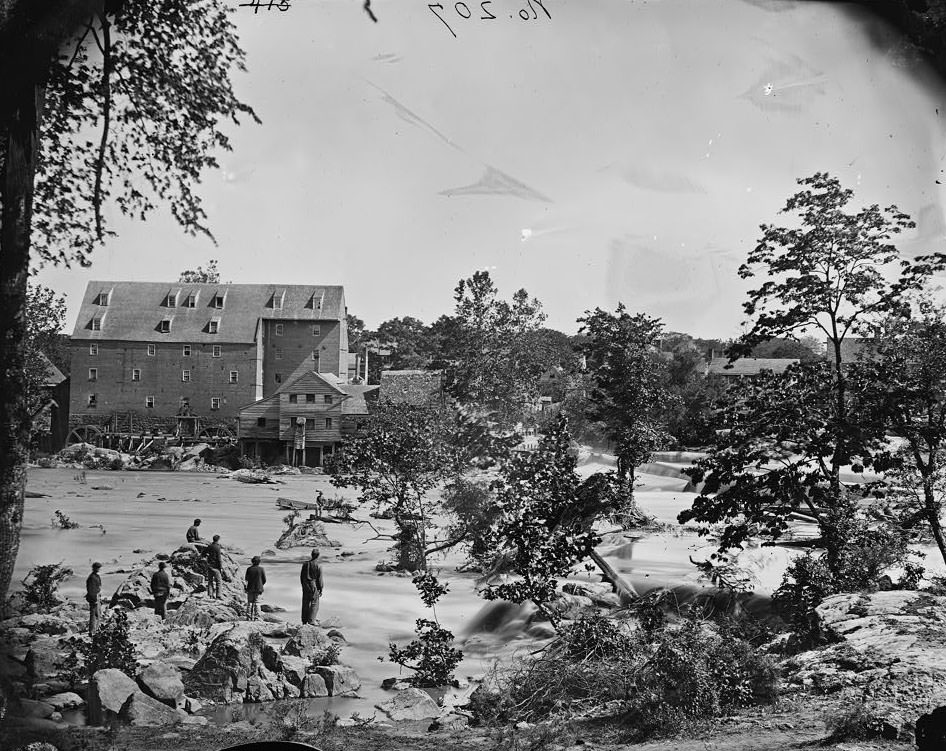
902, 375
200, 275
789, 435
152, 86
490, 367
541, 519
629, 397
395, 462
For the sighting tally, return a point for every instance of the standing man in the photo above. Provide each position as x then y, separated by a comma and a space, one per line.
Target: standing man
255, 579
215, 564
193, 534
311, 578
160, 589
93, 587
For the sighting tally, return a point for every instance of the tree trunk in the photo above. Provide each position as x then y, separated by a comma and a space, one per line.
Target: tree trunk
623, 588
932, 515
19, 129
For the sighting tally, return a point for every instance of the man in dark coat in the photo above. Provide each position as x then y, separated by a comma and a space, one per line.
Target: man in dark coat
255, 579
160, 589
215, 563
311, 578
93, 587
193, 534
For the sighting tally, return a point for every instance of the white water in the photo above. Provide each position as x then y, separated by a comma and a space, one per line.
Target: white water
370, 609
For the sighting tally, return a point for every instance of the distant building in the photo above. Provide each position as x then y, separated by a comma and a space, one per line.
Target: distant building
149, 351
305, 420
851, 348
748, 367
50, 424
416, 387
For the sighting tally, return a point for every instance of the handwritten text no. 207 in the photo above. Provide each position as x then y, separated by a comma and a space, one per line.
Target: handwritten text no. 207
463, 11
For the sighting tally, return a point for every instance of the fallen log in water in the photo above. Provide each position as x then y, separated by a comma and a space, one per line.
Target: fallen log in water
623, 588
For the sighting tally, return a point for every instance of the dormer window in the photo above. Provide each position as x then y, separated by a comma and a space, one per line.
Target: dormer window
191, 300
277, 300
101, 299
171, 300
315, 302
217, 301
213, 326
96, 323
165, 326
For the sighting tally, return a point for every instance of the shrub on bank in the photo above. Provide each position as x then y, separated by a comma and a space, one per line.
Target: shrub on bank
109, 647
41, 586
648, 682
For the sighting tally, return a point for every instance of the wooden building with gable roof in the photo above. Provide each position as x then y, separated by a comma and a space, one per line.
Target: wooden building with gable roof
304, 420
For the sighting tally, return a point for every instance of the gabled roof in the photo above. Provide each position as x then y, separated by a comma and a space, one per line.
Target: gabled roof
304, 375
134, 310
54, 375
356, 403
749, 366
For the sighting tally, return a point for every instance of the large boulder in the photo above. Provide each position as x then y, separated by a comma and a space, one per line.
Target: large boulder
889, 652
309, 641
340, 680
41, 623
108, 691
162, 682
141, 709
314, 686
65, 701
222, 672
33, 708
189, 572
204, 612
248, 662
410, 704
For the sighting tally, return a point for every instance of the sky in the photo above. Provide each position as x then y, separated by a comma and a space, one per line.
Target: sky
618, 151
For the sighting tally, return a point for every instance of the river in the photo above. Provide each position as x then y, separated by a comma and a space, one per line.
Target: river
143, 513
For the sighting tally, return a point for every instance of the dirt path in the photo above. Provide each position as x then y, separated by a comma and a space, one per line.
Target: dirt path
796, 723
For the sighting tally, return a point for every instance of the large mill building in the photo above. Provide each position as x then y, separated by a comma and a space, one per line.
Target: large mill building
146, 353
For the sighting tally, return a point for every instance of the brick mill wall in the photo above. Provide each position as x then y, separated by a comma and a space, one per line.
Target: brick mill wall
284, 353
161, 376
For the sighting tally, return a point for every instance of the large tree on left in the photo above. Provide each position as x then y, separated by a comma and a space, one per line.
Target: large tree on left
101, 102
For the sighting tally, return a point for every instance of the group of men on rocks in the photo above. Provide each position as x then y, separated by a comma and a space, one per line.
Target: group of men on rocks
254, 578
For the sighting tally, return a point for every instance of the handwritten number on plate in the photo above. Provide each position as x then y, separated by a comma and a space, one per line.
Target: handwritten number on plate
541, 4
432, 7
486, 10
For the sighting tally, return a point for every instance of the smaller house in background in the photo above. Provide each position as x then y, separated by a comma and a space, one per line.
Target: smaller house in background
416, 387
50, 425
748, 367
304, 421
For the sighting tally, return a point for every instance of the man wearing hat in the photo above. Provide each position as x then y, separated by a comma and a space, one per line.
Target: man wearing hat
213, 554
255, 579
160, 589
311, 578
93, 586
